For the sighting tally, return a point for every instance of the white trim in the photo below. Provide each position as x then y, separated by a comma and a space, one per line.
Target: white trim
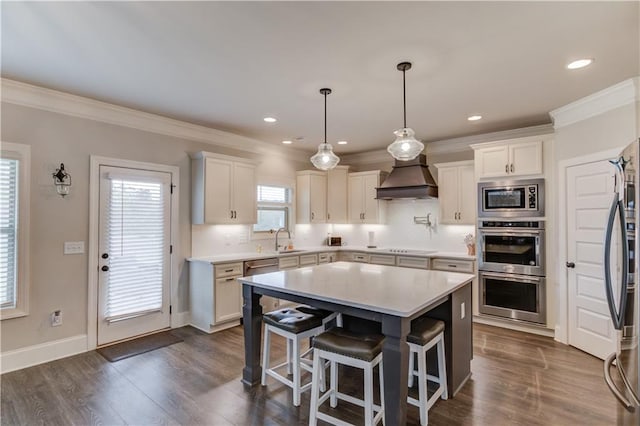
516, 141
94, 199
454, 164
562, 291
510, 325
18, 93
41, 353
377, 156
22, 153
613, 97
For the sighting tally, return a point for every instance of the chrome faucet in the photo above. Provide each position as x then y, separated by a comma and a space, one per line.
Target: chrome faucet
278, 232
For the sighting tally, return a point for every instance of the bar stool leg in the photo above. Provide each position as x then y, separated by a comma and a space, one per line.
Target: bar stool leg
296, 372
381, 372
333, 401
442, 371
289, 361
422, 385
315, 385
265, 354
411, 368
368, 395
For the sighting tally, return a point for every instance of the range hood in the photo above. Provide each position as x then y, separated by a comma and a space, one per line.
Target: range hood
408, 179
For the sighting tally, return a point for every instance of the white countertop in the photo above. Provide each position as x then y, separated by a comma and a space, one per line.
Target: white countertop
239, 257
387, 289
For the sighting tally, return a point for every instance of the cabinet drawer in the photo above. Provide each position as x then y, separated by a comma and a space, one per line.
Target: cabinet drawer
345, 256
228, 269
308, 259
323, 258
382, 259
288, 262
413, 262
360, 257
452, 265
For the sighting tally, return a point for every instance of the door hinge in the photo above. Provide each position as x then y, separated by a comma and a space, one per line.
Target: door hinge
171, 249
170, 309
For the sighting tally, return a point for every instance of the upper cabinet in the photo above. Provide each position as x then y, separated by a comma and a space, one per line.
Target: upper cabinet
508, 158
363, 205
311, 197
224, 190
337, 182
456, 192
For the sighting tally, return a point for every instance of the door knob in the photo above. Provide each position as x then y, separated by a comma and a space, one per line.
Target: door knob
105, 268
570, 265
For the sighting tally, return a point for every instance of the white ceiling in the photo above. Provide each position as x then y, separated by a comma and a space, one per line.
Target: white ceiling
229, 64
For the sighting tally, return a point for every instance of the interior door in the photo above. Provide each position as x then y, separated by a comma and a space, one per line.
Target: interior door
589, 194
134, 256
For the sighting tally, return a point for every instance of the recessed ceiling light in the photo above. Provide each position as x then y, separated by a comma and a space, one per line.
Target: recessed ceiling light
270, 119
474, 117
286, 142
342, 142
580, 63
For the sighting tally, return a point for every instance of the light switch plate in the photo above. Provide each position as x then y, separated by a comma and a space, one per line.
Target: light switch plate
74, 247
462, 311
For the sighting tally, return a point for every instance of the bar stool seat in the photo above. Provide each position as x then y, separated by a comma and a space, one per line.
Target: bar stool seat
294, 326
339, 346
327, 316
425, 333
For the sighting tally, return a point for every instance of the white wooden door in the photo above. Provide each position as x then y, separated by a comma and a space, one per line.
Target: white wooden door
467, 195
525, 159
448, 194
371, 210
318, 198
244, 193
134, 258
356, 199
589, 194
492, 162
337, 195
217, 191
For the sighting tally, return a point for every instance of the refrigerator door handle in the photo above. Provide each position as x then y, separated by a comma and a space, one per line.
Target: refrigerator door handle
616, 316
625, 380
612, 386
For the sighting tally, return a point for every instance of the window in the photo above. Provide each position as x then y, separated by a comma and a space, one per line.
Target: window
14, 229
274, 205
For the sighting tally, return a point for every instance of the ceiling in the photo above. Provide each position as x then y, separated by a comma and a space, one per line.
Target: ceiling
227, 65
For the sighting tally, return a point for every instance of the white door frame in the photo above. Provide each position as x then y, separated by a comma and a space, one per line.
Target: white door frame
94, 208
562, 304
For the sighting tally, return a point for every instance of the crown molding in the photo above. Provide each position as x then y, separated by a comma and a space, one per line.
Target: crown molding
613, 97
464, 143
23, 94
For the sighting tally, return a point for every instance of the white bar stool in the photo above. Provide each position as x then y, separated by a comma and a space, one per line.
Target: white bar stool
294, 326
339, 346
425, 333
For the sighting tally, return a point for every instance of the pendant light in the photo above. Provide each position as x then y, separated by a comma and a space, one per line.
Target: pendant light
406, 147
325, 159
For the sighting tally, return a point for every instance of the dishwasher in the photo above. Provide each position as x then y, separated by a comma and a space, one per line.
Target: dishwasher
262, 266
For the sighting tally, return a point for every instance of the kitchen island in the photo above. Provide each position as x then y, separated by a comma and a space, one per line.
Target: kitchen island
390, 295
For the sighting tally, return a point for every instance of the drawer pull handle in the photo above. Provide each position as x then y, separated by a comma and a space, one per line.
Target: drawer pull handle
230, 279
452, 266
228, 270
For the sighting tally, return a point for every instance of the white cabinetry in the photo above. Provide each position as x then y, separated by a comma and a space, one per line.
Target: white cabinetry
508, 158
363, 206
456, 192
337, 181
311, 197
215, 295
224, 190
460, 265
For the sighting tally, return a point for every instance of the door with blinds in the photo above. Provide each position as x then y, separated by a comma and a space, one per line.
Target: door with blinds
134, 253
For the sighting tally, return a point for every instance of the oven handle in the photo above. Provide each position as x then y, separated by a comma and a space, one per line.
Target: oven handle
511, 233
516, 278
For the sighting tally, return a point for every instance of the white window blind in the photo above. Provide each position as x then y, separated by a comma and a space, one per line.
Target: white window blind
273, 208
273, 194
8, 231
136, 247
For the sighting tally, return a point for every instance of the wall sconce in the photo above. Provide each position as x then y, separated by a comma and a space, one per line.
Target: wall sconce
62, 180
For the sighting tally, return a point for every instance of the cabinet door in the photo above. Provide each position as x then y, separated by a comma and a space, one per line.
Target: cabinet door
448, 195
318, 198
466, 195
526, 159
217, 193
493, 161
228, 303
371, 210
244, 193
337, 195
356, 199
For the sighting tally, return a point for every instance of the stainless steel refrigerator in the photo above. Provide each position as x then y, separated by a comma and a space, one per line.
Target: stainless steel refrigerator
621, 371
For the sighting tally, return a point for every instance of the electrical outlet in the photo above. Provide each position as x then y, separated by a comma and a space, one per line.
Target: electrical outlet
74, 247
56, 318
462, 311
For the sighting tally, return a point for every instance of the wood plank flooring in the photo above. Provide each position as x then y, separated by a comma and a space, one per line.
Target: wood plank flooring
518, 379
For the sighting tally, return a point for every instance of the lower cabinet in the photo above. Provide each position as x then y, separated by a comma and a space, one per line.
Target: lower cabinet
460, 265
215, 295
413, 262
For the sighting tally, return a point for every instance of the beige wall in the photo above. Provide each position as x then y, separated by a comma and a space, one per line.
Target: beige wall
59, 281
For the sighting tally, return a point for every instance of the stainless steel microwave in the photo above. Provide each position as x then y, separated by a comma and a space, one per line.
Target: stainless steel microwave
516, 198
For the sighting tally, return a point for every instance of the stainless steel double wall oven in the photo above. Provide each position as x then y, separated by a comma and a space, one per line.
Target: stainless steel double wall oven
511, 238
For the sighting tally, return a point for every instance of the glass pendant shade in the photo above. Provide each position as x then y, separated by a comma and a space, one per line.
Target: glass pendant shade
406, 147
325, 159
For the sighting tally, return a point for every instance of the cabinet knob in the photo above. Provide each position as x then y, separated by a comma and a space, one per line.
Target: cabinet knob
512, 168
313, 215
231, 214
506, 168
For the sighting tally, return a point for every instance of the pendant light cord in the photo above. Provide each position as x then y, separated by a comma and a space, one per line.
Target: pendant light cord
404, 99
325, 117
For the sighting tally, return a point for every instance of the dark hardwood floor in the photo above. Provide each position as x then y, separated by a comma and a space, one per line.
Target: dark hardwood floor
518, 379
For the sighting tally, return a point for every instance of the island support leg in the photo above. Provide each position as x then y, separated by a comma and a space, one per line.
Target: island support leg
252, 319
395, 358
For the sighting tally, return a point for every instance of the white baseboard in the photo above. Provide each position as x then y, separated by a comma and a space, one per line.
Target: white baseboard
180, 319
541, 331
44, 352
